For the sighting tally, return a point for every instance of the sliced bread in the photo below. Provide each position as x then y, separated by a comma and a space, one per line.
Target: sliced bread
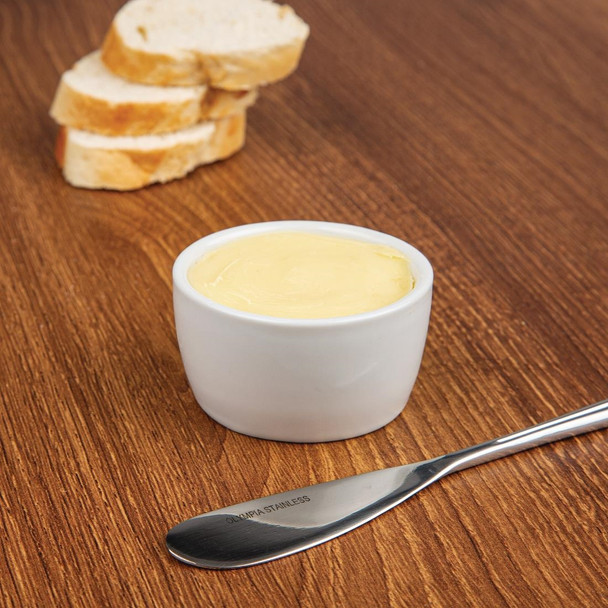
91, 98
91, 160
227, 44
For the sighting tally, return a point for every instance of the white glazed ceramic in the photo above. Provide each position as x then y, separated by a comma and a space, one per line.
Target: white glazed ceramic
301, 380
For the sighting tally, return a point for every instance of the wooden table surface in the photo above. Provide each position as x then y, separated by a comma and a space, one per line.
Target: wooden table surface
477, 131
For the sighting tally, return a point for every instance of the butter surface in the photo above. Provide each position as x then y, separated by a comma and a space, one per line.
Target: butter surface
302, 275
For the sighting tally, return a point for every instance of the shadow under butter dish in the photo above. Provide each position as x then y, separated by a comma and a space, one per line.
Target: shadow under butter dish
312, 378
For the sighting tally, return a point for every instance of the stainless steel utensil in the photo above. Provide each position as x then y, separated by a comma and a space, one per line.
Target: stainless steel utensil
275, 526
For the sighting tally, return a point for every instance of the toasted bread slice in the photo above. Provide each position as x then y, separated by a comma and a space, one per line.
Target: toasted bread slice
92, 98
227, 44
91, 160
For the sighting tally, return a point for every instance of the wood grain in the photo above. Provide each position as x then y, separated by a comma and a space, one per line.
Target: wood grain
478, 131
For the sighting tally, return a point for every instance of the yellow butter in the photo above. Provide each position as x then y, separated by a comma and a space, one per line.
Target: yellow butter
302, 275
